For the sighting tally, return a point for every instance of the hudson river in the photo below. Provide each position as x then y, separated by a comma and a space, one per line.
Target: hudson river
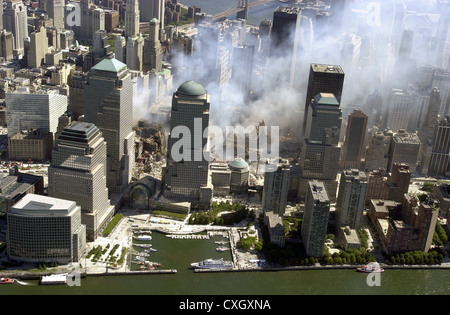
179, 254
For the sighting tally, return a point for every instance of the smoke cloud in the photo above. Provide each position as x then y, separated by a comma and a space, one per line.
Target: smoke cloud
365, 42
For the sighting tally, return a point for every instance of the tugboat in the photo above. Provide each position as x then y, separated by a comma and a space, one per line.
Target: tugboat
371, 267
6, 280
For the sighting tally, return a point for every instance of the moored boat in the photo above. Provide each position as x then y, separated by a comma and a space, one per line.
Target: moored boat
370, 267
6, 280
213, 264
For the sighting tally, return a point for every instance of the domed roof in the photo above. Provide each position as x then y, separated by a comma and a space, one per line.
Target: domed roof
192, 88
238, 163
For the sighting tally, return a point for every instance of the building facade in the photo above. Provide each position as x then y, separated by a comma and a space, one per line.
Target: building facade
187, 176
315, 219
42, 229
351, 198
108, 104
78, 173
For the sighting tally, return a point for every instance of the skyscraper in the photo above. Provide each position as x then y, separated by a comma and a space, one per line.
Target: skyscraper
15, 21
78, 173
108, 104
351, 198
353, 148
152, 9
152, 55
285, 38
40, 110
427, 130
315, 219
38, 48
56, 10
323, 79
404, 148
187, 176
318, 157
397, 109
440, 157
275, 191
132, 18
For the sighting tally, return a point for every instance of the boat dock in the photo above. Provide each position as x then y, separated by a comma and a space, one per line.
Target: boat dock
188, 237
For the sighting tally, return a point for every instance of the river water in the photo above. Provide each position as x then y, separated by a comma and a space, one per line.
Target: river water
179, 254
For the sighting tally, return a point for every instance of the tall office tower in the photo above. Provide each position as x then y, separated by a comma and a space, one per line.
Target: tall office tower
1, 17
406, 45
265, 31
323, 79
6, 45
134, 53
440, 157
108, 104
134, 41
15, 21
152, 9
338, 8
132, 18
153, 55
242, 68
276, 187
319, 156
45, 230
350, 49
38, 48
78, 173
442, 34
353, 149
285, 37
76, 82
351, 198
427, 130
56, 11
404, 148
40, 110
377, 152
186, 177
92, 20
320, 152
397, 109
315, 218
440, 78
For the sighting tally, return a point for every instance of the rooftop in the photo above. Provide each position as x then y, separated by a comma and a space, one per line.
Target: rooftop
191, 88
33, 204
326, 99
238, 163
109, 65
327, 68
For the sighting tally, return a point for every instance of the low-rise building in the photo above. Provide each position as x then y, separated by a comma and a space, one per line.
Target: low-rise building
43, 229
274, 224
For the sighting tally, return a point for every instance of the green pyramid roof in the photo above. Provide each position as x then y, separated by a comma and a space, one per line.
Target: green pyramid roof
110, 65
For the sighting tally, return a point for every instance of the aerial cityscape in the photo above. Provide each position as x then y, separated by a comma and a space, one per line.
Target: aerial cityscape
155, 140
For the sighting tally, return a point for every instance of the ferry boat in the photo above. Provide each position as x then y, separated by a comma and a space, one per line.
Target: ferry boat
213, 264
143, 238
54, 279
6, 280
370, 267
